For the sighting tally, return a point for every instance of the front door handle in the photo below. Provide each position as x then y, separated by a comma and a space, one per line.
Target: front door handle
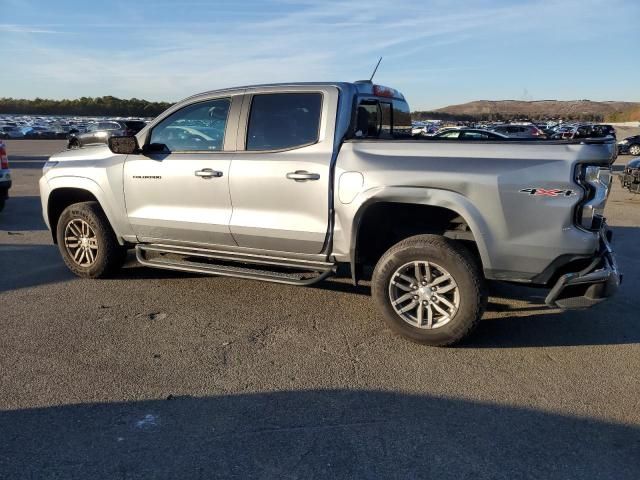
208, 173
302, 176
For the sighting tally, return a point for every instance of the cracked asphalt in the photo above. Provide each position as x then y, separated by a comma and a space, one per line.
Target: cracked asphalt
155, 374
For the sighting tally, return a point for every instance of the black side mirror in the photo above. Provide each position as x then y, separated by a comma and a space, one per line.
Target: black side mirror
156, 148
123, 145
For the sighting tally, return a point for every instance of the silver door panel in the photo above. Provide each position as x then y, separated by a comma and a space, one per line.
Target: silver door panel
273, 209
166, 199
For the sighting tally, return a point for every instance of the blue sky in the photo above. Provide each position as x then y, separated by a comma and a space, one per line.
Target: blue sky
437, 52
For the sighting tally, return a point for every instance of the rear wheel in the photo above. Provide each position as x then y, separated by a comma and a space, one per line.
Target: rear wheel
634, 150
87, 242
74, 143
430, 290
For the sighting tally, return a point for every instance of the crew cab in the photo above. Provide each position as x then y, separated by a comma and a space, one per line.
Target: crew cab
293, 183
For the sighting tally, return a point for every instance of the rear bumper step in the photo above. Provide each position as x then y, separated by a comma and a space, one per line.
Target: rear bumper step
215, 262
590, 286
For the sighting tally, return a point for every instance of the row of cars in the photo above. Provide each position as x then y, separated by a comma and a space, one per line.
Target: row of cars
55, 127
523, 130
561, 131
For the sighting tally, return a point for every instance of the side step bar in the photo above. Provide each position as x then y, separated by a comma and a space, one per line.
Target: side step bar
248, 270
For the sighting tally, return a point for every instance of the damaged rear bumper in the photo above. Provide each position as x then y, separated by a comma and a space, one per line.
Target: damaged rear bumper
591, 285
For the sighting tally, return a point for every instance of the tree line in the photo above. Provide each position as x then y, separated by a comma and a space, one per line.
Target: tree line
89, 106
135, 107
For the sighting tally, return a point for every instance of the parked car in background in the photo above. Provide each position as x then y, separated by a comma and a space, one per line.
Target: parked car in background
468, 134
38, 132
630, 177
604, 130
10, 131
629, 146
423, 129
519, 131
101, 132
5, 175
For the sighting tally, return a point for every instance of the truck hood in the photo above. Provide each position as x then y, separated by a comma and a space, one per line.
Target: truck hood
90, 152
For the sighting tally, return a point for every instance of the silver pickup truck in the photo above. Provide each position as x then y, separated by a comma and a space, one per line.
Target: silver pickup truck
294, 183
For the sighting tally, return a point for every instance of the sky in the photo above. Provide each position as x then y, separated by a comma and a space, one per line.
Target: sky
436, 52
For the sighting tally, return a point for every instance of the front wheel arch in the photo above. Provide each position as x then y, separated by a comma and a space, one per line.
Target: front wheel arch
61, 198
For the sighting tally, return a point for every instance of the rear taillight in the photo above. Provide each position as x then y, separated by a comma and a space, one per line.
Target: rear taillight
4, 160
596, 181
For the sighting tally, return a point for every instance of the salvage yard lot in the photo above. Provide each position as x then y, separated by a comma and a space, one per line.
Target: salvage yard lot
155, 374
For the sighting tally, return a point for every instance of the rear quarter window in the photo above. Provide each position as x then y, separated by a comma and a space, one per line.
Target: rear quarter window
376, 118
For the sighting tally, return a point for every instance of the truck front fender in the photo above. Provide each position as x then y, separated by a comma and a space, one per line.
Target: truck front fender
117, 219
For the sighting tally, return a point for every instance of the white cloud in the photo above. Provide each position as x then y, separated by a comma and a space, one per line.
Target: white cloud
160, 58
25, 29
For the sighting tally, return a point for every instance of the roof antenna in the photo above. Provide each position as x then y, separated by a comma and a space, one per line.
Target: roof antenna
375, 69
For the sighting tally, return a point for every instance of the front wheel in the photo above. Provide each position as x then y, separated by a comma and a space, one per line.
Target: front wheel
634, 150
87, 242
430, 290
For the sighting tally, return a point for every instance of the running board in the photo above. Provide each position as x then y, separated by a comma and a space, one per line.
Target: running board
249, 270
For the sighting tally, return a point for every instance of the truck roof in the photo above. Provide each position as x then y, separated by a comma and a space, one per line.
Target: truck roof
361, 87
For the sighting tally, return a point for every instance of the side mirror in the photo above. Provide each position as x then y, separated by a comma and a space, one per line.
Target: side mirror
123, 145
156, 148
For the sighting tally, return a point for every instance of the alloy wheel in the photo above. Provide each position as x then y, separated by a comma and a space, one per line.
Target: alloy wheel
81, 242
424, 294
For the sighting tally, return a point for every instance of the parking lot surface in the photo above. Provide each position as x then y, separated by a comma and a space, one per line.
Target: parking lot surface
154, 374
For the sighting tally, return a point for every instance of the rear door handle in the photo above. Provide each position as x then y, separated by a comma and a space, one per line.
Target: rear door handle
208, 173
302, 176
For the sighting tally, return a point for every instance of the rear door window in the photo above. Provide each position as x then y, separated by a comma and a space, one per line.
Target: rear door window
281, 121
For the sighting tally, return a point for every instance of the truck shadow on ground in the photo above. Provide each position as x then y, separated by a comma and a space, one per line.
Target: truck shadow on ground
29, 161
312, 434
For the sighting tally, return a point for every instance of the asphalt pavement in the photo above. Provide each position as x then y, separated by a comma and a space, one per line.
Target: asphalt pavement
155, 374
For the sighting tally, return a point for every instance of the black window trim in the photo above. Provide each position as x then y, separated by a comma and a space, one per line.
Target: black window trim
251, 96
201, 152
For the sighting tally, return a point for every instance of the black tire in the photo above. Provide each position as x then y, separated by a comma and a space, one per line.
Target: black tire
634, 149
109, 255
74, 143
458, 262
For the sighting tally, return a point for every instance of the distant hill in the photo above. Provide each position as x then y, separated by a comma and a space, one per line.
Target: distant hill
540, 109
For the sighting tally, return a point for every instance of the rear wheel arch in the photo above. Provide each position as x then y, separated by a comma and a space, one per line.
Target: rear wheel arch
384, 216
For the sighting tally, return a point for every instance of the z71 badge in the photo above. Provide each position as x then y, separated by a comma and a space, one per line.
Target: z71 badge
547, 192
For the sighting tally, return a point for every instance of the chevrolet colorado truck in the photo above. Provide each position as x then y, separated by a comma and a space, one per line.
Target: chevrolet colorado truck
293, 183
